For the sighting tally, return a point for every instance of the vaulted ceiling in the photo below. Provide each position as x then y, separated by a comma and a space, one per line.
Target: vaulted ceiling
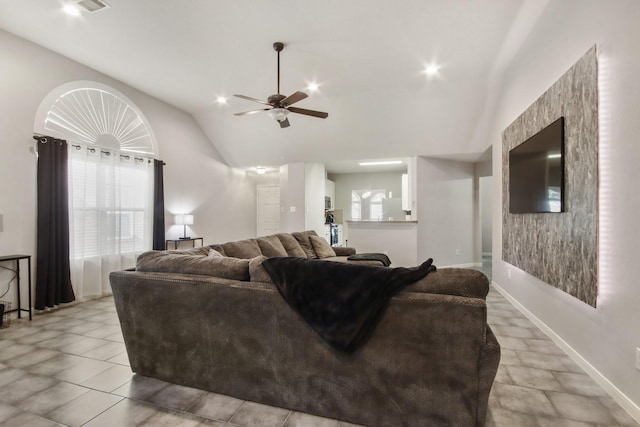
367, 56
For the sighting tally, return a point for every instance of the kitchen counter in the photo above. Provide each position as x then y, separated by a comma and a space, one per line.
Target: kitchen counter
371, 221
397, 239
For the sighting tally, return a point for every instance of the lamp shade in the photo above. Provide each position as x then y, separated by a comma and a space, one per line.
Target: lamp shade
184, 219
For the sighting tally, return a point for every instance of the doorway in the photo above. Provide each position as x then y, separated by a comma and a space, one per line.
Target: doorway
268, 210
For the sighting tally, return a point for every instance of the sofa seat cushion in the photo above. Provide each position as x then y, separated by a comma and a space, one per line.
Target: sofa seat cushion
165, 262
291, 245
244, 249
271, 246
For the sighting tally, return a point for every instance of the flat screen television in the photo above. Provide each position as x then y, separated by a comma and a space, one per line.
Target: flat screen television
536, 172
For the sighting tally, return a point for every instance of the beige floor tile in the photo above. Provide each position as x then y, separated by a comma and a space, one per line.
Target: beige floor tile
84, 408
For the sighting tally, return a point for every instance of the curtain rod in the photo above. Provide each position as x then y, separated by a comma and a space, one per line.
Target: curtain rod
40, 137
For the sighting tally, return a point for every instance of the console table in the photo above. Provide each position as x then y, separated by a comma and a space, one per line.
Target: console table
17, 259
176, 242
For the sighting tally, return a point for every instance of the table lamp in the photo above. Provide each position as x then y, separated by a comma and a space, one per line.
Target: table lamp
184, 219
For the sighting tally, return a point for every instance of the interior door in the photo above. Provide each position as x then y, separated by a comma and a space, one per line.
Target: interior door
268, 206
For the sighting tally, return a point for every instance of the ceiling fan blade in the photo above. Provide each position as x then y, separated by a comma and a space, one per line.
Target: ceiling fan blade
246, 113
284, 123
306, 112
248, 98
293, 98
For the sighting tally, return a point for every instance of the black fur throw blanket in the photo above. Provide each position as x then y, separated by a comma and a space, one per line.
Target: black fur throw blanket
341, 302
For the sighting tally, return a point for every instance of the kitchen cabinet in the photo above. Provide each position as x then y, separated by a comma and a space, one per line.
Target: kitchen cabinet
330, 192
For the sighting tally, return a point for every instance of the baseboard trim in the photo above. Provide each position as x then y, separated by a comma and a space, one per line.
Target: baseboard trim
467, 265
616, 394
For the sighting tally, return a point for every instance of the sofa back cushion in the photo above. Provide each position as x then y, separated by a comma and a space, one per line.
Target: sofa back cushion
291, 245
322, 248
271, 246
165, 262
303, 240
243, 249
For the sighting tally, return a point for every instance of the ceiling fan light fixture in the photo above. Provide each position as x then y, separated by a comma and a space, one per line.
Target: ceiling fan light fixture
278, 114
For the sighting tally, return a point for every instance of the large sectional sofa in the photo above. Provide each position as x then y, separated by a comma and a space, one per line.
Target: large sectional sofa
211, 318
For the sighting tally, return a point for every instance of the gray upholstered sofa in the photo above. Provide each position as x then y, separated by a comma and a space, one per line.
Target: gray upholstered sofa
430, 361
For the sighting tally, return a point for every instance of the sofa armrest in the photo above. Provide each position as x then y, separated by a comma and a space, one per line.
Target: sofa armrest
344, 251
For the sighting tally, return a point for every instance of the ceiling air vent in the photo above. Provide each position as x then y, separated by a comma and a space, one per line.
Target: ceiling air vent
92, 6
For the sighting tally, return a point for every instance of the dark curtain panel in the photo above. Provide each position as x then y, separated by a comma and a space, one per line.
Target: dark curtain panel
53, 278
158, 206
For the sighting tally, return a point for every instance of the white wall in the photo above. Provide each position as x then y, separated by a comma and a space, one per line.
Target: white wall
196, 179
605, 337
484, 197
292, 199
445, 211
314, 197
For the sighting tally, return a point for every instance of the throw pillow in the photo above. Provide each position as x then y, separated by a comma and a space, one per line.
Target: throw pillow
321, 247
303, 240
257, 273
214, 253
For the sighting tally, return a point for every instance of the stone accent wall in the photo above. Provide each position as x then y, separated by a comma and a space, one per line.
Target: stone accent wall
560, 249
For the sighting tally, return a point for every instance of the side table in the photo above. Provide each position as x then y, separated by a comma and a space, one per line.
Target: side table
176, 242
17, 259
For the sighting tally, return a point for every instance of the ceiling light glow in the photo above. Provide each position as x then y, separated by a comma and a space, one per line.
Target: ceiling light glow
431, 70
71, 9
261, 170
312, 87
221, 100
382, 162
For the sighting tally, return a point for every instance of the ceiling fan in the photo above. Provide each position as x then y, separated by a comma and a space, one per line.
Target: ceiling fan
279, 105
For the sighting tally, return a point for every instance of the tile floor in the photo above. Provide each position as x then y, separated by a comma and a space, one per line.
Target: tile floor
69, 367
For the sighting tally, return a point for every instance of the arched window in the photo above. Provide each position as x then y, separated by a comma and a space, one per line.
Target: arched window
356, 206
367, 204
375, 205
91, 113
111, 151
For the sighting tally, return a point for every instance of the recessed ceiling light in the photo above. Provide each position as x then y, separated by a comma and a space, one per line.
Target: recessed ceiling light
431, 70
382, 162
71, 9
261, 170
312, 87
221, 100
